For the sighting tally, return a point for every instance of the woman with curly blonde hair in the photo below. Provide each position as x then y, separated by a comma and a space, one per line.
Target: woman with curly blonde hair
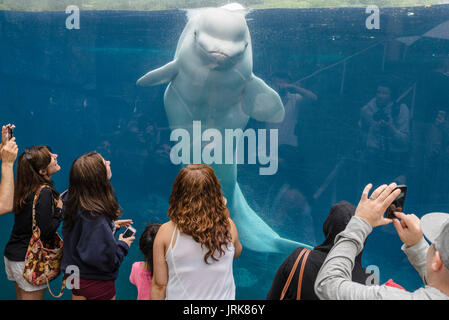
194, 251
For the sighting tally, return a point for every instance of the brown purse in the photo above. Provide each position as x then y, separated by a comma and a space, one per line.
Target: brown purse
43, 258
304, 252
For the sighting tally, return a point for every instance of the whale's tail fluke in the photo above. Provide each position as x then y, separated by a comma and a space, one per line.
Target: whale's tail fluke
254, 233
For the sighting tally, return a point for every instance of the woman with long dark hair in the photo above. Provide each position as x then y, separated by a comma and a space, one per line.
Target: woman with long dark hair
35, 167
90, 222
194, 251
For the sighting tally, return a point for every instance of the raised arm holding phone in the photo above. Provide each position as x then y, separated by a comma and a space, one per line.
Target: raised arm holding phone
432, 262
8, 152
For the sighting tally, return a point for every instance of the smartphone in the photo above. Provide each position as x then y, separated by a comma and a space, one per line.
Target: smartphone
398, 203
129, 232
10, 135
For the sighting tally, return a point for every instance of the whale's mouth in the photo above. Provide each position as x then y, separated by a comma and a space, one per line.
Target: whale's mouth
218, 54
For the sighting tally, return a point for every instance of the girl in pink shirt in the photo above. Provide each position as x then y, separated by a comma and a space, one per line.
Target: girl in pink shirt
142, 271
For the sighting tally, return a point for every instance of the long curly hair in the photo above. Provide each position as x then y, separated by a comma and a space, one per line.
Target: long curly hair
198, 209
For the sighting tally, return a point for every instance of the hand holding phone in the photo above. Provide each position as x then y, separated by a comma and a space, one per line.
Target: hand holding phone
7, 133
398, 203
10, 134
8, 151
128, 236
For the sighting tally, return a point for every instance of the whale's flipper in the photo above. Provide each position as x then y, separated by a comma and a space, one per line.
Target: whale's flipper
254, 233
261, 102
160, 75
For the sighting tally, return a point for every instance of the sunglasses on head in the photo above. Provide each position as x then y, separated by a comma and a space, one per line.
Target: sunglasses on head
28, 154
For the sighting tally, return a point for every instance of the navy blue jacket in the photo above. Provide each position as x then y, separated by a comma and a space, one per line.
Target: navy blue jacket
92, 247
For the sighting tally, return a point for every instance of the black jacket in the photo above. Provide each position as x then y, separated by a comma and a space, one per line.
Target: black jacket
48, 219
336, 222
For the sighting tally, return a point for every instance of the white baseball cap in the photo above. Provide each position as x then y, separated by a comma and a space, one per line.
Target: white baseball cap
435, 227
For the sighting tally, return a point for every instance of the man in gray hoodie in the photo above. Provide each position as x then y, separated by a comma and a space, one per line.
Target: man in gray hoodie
432, 262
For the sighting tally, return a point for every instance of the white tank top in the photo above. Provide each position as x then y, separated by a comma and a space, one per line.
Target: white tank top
190, 278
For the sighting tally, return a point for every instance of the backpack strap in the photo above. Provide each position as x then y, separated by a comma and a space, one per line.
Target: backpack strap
292, 272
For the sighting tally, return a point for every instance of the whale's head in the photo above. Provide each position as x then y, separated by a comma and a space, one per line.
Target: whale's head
220, 36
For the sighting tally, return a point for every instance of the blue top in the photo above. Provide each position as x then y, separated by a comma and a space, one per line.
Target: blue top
92, 247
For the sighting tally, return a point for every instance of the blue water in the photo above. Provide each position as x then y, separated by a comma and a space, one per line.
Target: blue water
75, 91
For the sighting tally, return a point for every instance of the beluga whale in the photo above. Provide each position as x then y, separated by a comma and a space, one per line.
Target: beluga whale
211, 84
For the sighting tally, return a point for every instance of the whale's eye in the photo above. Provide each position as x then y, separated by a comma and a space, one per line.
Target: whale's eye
195, 33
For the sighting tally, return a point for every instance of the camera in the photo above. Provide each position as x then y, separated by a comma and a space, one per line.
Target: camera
382, 114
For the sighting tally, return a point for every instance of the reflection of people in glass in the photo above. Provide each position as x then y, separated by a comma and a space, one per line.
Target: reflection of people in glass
436, 157
440, 82
432, 93
293, 96
444, 67
286, 202
438, 136
385, 130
